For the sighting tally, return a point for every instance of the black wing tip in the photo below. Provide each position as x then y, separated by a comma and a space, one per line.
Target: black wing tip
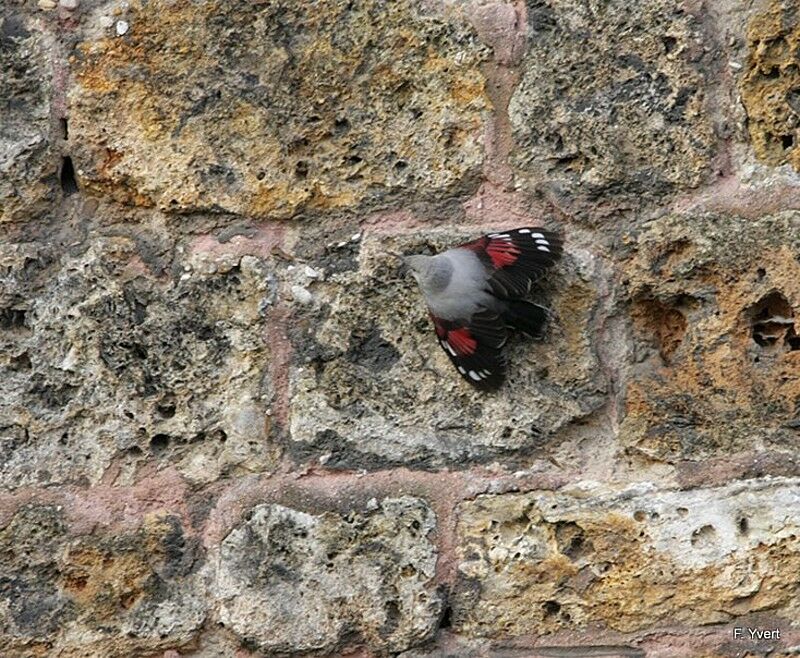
489, 385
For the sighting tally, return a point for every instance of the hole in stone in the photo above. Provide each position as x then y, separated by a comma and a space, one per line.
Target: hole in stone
551, 608
166, 409
682, 511
704, 536
64, 128
260, 175
354, 160
447, 617
12, 318
744, 526
792, 340
341, 125
392, 611
67, 176
772, 321
572, 541
20, 362
159, 443
665, 323
669, 43
400, 165
221, 436
774, 73
135, 451
639, 516
787, 141
301, 170
761, 273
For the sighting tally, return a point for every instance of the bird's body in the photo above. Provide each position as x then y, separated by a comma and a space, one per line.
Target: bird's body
476, 295
454, 284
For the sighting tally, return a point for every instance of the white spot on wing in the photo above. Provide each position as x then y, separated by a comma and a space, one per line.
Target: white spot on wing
541, 248
448, 347
542, 241
524, 230
474, 375
537, 235
462, 370
499, 236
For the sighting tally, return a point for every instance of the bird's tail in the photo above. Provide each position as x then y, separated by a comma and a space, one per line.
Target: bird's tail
526, 317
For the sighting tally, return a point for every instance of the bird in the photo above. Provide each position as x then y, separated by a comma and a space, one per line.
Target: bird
476, 295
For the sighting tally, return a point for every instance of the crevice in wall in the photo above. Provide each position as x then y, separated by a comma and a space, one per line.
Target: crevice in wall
66, 176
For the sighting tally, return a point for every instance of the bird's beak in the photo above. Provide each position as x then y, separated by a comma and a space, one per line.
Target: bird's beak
402, 261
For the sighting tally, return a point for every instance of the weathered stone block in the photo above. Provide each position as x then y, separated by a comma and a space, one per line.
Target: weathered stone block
296, 582
540, 562
32, 606
715, 301
770, 84
107, 356
112, 594
613, 100
370, 386
28, 167
269, 108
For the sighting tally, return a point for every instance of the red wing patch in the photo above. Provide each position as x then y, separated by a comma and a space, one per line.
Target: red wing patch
502, 252
474, 347
461, 340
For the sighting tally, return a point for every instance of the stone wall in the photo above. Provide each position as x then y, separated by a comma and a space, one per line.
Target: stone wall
226, 427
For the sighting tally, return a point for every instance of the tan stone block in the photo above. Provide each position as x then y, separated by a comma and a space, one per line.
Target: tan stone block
770, 84
542, 562
270, 108
717, 341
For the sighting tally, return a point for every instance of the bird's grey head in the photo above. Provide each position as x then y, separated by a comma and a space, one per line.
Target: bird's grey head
432, 273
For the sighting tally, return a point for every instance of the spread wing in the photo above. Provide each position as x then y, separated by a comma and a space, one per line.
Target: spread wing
516, 258
475, 347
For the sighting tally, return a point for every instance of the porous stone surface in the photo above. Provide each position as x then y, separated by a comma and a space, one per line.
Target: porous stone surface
27, 165
227, 428
717, 349
107, 594
106, 356
293, 581
615, 99
770, 84
357, 366
540, 562
270, 108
